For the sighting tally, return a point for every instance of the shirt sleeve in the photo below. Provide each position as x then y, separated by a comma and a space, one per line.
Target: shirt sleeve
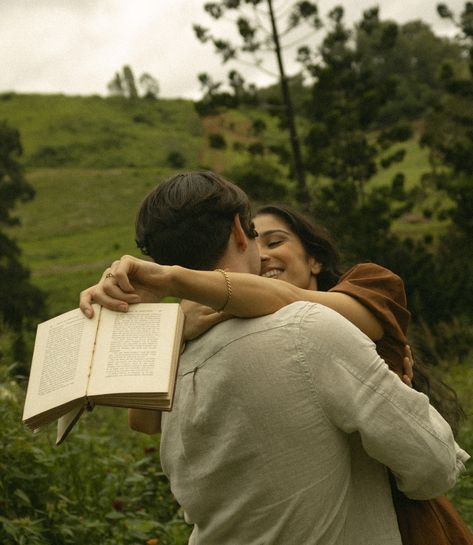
358, 393
382, 292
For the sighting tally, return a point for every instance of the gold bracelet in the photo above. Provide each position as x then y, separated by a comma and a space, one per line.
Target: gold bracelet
229, 289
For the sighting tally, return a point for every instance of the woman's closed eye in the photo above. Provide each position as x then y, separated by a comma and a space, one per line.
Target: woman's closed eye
274, 243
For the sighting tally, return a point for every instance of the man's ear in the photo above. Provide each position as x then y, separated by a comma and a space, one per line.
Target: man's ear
239, 234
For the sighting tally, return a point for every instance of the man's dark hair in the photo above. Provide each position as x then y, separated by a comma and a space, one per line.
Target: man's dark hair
187, 219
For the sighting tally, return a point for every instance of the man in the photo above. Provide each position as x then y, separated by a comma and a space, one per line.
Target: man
282, 426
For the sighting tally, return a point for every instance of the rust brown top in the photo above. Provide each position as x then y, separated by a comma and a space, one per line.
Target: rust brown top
382, 292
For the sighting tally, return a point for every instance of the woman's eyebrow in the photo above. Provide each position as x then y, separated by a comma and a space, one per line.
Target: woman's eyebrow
272, 232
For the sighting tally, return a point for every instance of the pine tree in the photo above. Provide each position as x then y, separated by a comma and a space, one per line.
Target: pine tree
20, 301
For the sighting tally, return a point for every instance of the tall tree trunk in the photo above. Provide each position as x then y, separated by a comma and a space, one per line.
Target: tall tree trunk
298, 163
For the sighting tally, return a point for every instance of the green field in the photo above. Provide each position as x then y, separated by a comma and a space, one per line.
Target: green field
91, 160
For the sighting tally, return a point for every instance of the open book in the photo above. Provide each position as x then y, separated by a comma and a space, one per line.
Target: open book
114, 359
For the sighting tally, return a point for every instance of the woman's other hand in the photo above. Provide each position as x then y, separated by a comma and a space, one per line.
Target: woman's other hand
129, 280
199, 319
408, 366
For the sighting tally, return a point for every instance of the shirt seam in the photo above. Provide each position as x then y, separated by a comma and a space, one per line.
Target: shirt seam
226, 345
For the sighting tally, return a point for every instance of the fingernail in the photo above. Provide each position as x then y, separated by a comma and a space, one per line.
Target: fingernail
123, 307
88, 313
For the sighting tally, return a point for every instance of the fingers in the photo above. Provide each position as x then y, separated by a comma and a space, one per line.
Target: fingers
107, 293
85, 304
114, 290
408, 365
406, 379
121, 270
118, 301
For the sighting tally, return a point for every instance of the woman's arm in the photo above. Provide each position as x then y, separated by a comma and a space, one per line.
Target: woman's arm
144, 420
251, 295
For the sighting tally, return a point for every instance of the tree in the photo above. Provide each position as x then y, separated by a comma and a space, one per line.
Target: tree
257, 23
115, 86
149, 86
448, 134
346, 99
413, 64
129, 82
20, 301
124, 84
449, 130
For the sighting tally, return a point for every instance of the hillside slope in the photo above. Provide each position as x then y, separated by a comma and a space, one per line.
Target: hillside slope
91, 161
102, 132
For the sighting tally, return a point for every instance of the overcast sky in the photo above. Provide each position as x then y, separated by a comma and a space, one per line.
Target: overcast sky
75, 46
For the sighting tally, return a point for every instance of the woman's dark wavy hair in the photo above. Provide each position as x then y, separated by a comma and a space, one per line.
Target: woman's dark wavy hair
318, 244
316, 241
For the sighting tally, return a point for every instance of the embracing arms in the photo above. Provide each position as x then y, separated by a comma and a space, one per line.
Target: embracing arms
136, 280
131, 280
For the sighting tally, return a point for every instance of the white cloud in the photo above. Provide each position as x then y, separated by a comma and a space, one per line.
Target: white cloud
74, 47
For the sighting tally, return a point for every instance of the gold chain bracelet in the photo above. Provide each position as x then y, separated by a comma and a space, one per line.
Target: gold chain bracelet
229, 289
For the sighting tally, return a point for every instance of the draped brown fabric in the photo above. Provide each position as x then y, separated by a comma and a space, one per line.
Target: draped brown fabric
430, 522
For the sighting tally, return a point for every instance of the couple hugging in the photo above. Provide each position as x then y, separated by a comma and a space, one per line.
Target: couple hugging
287, 428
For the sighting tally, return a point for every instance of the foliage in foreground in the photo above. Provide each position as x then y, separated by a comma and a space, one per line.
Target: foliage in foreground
103, 485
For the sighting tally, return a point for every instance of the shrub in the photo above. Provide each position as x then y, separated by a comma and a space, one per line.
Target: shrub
98, 487
217, 141
256, 148
260, 179
142, 118
175, 159
258, 126
52, 156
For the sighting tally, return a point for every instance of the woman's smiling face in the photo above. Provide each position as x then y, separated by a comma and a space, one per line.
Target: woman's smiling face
282, 254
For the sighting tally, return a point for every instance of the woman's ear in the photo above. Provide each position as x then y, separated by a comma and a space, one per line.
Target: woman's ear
315, 266
239, 234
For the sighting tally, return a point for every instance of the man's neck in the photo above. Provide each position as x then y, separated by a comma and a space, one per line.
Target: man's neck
232, 264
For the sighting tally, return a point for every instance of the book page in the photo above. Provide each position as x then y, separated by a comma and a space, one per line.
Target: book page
61, 361
134, 350
66, 422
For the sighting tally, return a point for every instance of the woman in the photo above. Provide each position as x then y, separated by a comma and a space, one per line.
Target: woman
370, 296
286, 242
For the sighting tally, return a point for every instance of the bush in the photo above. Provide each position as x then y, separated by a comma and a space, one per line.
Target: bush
142, 118
175, 159
52, 156
100, 486
262, 180
217, 141
256, 148
258, 126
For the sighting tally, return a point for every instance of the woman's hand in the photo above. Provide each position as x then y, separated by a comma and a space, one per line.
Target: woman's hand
199, 319
408, 366
129, 280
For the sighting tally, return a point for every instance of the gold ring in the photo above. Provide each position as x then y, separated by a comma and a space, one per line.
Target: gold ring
109, 275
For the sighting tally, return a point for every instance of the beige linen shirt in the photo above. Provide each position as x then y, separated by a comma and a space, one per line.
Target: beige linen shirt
282, 428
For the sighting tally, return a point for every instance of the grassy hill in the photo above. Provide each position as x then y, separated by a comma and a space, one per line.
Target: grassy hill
91, 161
96, 132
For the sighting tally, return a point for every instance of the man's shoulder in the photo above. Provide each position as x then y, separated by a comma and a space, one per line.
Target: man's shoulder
306, 313
299, 317
292, 315
237, 330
